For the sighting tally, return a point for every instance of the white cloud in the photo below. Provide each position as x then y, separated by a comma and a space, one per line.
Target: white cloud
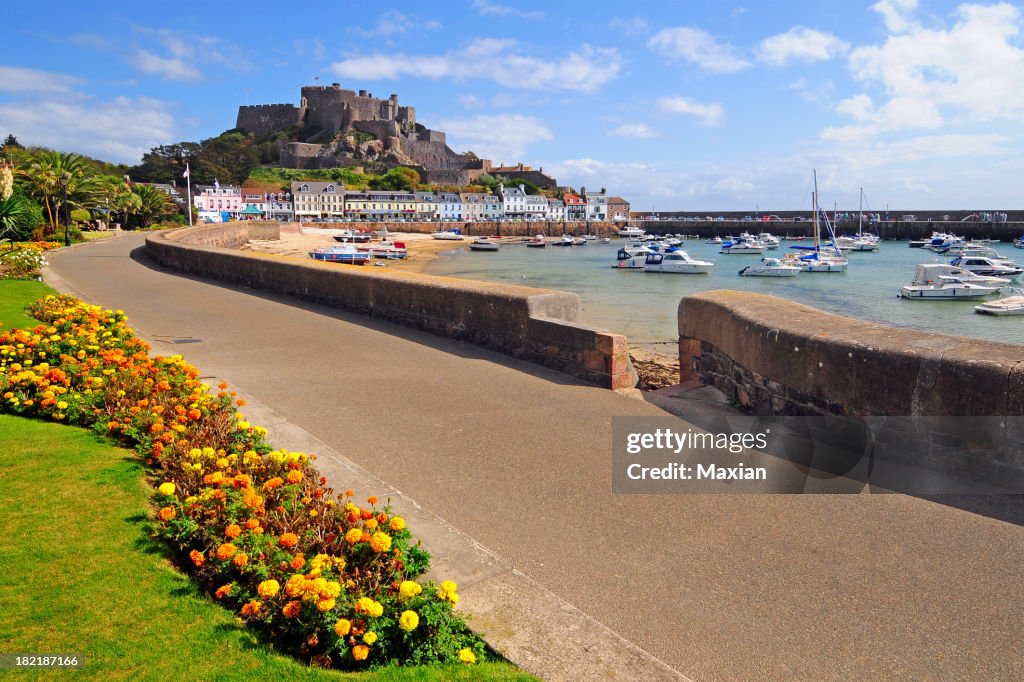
896, 14
169, 68
801, 44
584, 70
118, 130
697, 47
819, 93
933, 77
631, 26
185, 54
487, 8
501, 137
393, 22
709, 114
470, 102
639, 131
18, 79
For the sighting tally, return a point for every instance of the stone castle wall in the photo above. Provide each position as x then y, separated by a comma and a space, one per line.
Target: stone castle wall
267, 118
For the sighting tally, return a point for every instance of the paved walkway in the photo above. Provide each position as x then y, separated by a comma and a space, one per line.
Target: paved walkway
518, 458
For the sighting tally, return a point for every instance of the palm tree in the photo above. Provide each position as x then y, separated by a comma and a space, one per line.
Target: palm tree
152, 204
42, 182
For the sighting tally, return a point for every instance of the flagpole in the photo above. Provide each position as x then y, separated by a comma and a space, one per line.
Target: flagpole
188, 180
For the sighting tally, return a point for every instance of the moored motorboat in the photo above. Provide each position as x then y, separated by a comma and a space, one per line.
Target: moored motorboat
391, 250
564, 240
631, 231
343, 253
713, 240
929, 283
986, 266
484, 244
676, 262
770, 267
536, 242
1010, 305
631, 260
741, 246
454, 234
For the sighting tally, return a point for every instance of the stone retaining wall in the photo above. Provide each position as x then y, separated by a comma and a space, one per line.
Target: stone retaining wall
533, 324
777, 357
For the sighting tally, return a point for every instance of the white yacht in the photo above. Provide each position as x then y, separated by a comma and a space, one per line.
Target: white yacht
770, 267
986, 266
930, 284
1010, 305
678, 262
631, 231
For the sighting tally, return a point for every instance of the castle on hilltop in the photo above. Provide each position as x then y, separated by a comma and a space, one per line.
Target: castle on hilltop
330, 117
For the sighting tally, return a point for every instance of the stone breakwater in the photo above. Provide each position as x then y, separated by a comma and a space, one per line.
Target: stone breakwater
777, 357
537, 325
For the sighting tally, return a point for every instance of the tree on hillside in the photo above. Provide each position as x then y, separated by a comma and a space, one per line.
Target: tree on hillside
400, 178
167, 162
11, 142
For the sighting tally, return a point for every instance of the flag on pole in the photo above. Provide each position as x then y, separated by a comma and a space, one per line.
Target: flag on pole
185, 174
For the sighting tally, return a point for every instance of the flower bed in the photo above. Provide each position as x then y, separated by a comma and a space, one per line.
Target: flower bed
324, 578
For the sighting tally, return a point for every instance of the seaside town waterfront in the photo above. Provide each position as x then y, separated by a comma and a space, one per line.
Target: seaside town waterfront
487, 342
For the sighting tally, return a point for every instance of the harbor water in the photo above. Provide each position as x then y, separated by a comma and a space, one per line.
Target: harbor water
643, 305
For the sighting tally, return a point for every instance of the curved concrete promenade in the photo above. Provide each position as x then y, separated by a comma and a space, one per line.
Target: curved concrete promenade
517, 457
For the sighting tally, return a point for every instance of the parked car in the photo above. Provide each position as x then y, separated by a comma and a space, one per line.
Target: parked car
747, 219
909, 218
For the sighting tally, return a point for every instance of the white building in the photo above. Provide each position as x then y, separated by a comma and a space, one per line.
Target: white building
556, 209
478, 207
513, 201
272, 202
428, 206
536, 207
597, 204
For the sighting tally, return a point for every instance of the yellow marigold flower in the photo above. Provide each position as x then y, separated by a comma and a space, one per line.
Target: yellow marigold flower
408, 620
325, 604
295, 585
371, 524
360, 652
376, 610
342, 627
396, 523
409, 589
61, 405
226, 551
380, 542
447, 592
292, 609
467, 656
268, 588
294, 476
353, 536
331, 591
370, 637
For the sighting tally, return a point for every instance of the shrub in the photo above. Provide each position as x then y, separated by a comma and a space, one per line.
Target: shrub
324, 578
21, 263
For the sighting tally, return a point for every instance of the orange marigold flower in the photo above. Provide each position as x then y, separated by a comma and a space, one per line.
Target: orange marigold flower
252, 608
252, 523
240, 402
226, 551
233, 531
371, 524
196, 557
360, 652
167, 513
349, 492
372, 499
294, 476
288, 540
382, 518
325, 604
342, 627
194, 414
241, 559
380, 542
223, 591
292, 609
365, 514
298, 562
275, 482
353, 536
396, 523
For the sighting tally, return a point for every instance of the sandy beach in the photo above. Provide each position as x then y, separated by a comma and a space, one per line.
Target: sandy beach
656, 363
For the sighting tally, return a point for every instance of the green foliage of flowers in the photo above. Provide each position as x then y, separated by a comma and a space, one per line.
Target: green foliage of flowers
325, 579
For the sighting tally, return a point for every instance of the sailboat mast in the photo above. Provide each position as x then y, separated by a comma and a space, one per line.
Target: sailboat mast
860, 215
814, 208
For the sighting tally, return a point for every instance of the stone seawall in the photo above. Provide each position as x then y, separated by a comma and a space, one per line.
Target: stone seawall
1006, 232
534, 324
776, 357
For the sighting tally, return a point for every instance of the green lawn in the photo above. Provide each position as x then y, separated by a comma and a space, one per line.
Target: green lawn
14, 296
79, 573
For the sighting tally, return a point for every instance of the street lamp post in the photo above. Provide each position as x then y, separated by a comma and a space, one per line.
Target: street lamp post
65, 178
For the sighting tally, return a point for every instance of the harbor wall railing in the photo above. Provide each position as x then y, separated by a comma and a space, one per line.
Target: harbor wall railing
538, 325
778, 357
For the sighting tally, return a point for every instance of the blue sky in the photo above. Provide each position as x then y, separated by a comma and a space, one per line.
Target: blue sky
673, 105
